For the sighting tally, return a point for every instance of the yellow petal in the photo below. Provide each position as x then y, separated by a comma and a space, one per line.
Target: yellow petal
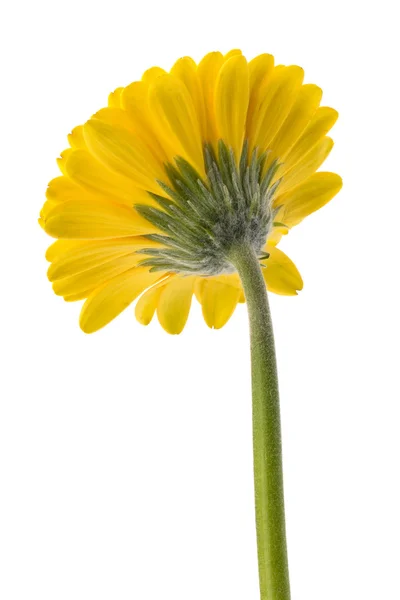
307, 166
60, 190
185, 69
46, 209
174, 304
124, 153
232, 280
95, 220
60, 247
114, 99
208, 70
108, 301
148, 301
308, 197
277, 100
135, 102
231, 53
62, 161
231, 102
281, 274
152, 74
320, 124
146, 305
93, 254
260, 71
175, 114
300, 115
116, 117
198, 288
89, 174
276, 235
135, 123
218, 301
76, 139
87, 280
76, 297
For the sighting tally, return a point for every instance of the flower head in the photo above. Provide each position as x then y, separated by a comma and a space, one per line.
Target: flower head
158, 188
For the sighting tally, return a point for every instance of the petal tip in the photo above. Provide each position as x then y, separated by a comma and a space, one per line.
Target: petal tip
87, 325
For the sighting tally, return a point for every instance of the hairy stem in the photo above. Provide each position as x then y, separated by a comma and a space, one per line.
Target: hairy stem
267, 448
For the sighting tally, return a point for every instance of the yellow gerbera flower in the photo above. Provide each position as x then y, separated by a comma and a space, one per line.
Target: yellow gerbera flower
184, 185
146, 201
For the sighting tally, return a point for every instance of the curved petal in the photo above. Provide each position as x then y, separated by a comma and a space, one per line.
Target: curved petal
231, 102
260, 71
60, 190
137, 122
185, 69
146, 305
174, 304
234, 52
152, 74
280, 273
175, 114
276, 234
108, 301
218, 300
303, 109
307, 166
76, 297
60, 247
308, 197
93, 254
62, 161
124, 153
92, 278
134, 100
148, 301
88, 173
208, 70
95, 220
323, 120
76, 139
278, 99
114, 99
116, 117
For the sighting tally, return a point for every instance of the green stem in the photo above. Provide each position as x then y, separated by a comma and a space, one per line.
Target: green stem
267, 448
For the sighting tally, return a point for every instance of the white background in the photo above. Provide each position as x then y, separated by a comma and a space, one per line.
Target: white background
126, 467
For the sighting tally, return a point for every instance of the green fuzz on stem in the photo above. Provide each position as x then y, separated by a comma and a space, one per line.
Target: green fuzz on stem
267, 448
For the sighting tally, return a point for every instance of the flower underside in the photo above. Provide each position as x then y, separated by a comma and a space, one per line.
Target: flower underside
202, 221
160, 188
